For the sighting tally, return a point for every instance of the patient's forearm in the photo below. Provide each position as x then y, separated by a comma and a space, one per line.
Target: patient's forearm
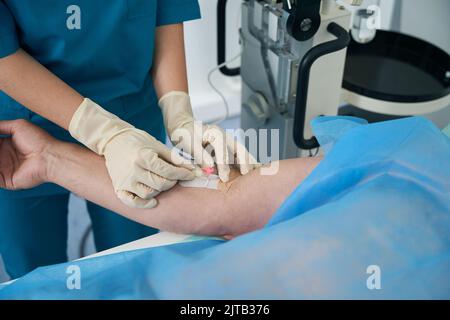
248, 205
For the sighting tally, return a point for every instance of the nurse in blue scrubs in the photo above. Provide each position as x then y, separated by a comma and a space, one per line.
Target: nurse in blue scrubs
91, 72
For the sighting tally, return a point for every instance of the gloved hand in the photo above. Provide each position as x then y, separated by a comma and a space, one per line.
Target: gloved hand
140, 166
192, 137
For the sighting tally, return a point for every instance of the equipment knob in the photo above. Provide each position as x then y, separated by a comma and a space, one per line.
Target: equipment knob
259, 108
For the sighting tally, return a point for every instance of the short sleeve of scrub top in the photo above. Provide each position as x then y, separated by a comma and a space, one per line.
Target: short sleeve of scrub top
176, 11
9, 43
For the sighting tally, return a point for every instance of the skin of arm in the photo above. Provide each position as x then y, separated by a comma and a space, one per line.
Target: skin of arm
31, 157
169, 64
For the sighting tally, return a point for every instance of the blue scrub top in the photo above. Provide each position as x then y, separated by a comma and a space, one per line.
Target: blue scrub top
103, 49
107, 56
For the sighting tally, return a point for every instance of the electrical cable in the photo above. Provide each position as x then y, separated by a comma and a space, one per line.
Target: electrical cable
216, 90
217, 68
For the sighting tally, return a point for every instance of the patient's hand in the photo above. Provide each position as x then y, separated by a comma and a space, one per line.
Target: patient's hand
23, 155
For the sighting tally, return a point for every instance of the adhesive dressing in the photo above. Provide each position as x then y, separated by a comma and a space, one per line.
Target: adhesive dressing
205, 182
212, 181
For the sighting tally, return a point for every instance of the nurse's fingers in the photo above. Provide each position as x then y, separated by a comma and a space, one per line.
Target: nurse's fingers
173, 157
132, 200
155, 181
150, 161
244, 159
216, 137
190, 141
145, 192
201, 156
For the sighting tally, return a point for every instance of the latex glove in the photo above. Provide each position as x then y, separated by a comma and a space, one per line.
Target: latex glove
140, 166
192, 137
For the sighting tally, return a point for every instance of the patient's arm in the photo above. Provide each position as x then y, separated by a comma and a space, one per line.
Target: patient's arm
31, 157
249, 203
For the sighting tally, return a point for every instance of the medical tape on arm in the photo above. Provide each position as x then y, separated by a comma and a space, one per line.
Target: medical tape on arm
206, 182
212, 182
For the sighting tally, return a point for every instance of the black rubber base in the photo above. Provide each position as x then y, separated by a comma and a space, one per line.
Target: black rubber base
398, 68
371, 117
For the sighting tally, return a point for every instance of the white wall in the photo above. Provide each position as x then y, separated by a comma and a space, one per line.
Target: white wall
428, 20
201, 52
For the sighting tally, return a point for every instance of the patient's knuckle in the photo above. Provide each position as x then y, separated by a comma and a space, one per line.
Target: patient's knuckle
19, 122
